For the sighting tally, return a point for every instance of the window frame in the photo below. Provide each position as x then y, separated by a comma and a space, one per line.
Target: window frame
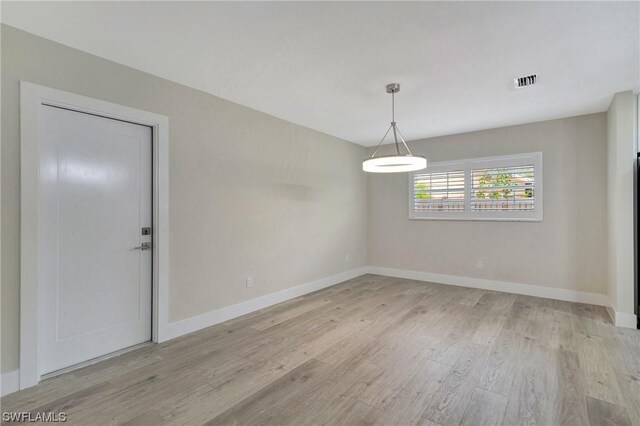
467, 165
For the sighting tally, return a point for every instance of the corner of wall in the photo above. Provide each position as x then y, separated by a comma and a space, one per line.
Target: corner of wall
621, 157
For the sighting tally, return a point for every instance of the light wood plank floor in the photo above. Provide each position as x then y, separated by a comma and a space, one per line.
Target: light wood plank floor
370, 350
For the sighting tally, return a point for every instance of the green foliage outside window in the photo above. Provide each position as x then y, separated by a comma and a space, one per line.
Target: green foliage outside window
423, 194
492, 180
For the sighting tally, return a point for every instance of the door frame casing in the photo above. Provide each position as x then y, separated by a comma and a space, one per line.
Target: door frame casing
32, 96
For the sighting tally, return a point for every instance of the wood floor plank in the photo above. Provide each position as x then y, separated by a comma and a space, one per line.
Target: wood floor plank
470, 296
288, 314
622, 350
532, 400
499, 370
484, 408
571, 391
449, 403
408, 404
263, 406
603, 413
595, 362
372, 350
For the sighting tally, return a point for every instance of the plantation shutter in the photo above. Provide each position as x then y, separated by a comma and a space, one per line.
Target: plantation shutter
439, 191
507, 187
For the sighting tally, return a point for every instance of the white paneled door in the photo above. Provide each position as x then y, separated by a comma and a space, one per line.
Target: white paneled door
95, 268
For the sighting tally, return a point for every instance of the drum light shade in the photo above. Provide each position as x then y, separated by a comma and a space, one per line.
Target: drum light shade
397, 162
394, 164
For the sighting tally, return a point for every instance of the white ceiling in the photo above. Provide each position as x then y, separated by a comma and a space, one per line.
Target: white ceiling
324, 65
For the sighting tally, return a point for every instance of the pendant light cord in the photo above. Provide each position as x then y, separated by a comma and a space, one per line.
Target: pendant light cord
393, 107
393, 121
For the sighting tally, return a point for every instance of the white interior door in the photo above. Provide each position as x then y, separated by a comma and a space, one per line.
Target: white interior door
95, 281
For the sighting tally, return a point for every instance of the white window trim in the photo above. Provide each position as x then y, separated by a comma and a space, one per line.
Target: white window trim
32, 96
467, 165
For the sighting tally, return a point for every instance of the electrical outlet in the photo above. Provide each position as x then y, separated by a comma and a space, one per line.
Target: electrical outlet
249, 282
480, 264
347, 258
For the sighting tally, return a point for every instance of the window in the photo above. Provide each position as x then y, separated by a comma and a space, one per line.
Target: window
494, 188
503, 189
439, 191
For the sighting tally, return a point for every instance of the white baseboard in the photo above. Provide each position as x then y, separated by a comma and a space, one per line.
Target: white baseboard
621, 319
10, 382
189, 325
504, 286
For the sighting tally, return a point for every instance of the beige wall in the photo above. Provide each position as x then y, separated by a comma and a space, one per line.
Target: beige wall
567, 250
621, 157
250, 195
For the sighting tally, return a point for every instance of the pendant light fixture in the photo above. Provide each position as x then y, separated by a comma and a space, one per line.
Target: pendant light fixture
397, 162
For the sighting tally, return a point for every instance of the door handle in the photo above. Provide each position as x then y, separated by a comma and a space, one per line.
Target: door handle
144, 246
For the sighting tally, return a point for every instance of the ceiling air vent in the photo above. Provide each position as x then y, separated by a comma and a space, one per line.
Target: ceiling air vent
526, 81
